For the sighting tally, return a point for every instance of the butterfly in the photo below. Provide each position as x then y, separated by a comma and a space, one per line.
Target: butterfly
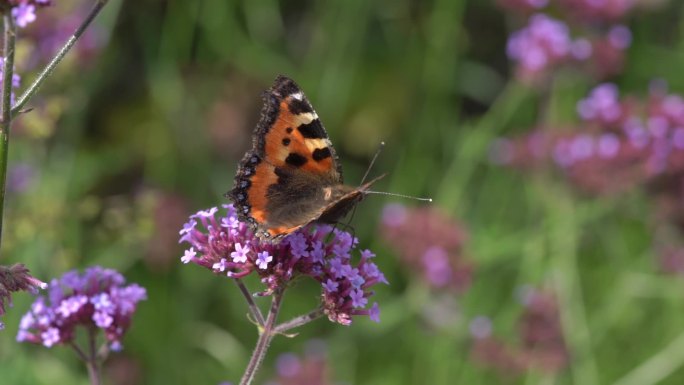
292, 176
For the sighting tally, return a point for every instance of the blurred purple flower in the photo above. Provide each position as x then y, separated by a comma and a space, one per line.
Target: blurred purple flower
601, 105
16, 278
311, 368
429, 242
543, 43
96, 299
20, 176
226, 246
480, 327
586, 11
24, 14
620, 37
541, 345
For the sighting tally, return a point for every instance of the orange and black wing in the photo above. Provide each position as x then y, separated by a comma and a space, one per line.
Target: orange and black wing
279, 183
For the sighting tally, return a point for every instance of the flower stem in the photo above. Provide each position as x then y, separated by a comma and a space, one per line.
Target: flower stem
8, 73
298, 321
93, 363
89, 359
47, 71
93, 372
253, 308
264, 340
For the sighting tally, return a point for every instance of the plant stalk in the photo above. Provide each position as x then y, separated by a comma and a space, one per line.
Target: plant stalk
253, 308
6, 102
264, 340
298, 321
92, 363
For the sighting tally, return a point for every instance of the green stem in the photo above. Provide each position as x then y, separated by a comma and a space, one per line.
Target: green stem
8, 73
93, 363
298, 321
47, 71
264, 340
253, 308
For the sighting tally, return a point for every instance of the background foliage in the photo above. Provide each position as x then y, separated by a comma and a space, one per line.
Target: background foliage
144, 125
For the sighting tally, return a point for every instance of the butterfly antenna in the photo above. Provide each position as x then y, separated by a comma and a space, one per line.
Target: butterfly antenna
375, 157
370, 166
398, 195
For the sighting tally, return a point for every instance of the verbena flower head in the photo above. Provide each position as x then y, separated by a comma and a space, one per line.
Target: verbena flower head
429, 242
98, 299
543, 43
15, 278
311, 368
623, 142
541, 343
226, 246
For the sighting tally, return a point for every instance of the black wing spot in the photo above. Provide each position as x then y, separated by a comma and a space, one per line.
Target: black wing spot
295, 160
321, 153
289, 130
299, 106
313, 130
286, 141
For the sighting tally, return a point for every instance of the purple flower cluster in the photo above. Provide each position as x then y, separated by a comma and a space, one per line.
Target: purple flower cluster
429, 242
624, 141
95, 300
312, 368
24, 11
546, 43
16, 278
598, 10
541, 344
579, 11
228, 247
523, 6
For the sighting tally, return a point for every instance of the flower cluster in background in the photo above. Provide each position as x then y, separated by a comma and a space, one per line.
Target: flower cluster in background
98, 298
541, 344
623, 143
428, 242
589, 36
311, 369
581, 11
228, 247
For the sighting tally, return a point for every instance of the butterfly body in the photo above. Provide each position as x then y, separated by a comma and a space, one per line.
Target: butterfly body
291, 176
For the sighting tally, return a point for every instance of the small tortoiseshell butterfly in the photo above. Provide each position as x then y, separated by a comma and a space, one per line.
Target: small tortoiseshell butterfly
291, 176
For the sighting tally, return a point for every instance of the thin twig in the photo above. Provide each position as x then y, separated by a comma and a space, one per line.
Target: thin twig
7, 75
79, 352
298, 321
253, 308
264, 340
47, 71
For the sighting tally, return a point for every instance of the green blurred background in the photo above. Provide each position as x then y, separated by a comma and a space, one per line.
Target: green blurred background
145, 126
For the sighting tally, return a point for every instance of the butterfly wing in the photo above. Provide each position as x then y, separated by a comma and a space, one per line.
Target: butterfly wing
280, 182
